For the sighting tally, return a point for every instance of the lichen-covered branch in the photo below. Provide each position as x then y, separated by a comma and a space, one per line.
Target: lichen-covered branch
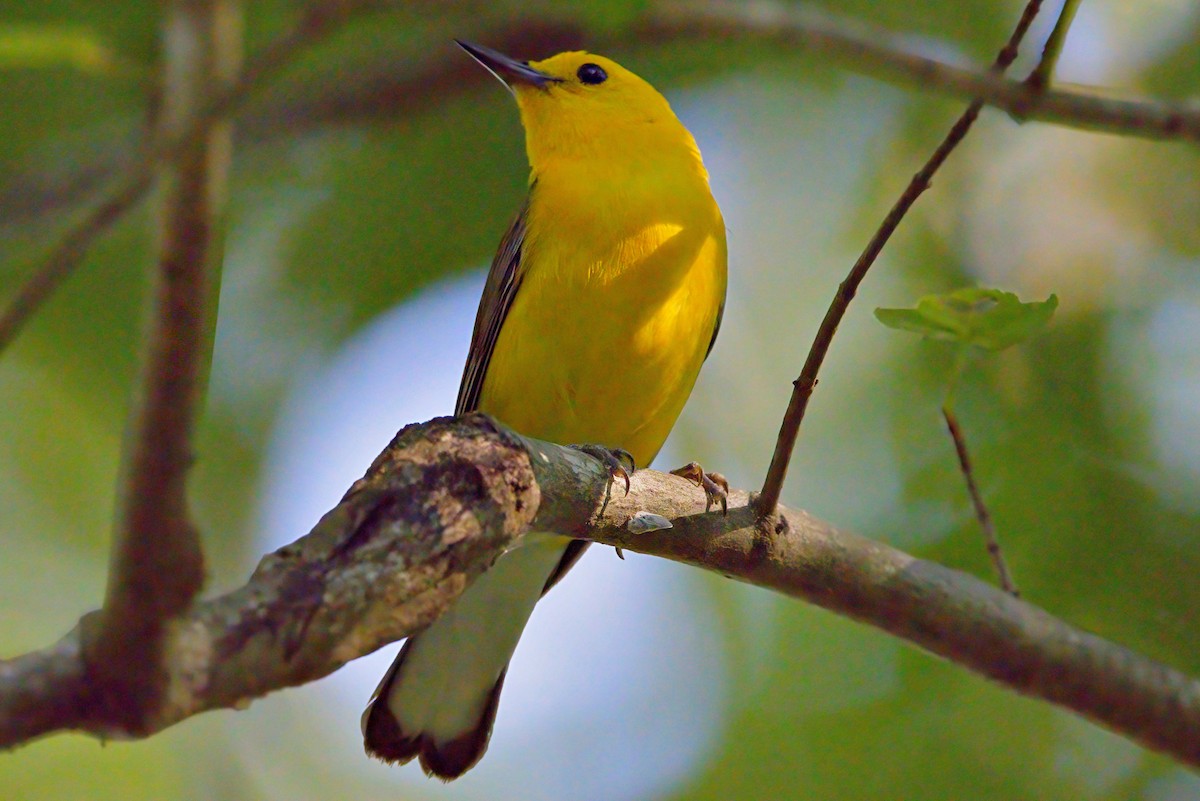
435, 509
446, 497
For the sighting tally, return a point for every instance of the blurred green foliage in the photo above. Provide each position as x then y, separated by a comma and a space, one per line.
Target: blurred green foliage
369, 181
32, 47
986, 318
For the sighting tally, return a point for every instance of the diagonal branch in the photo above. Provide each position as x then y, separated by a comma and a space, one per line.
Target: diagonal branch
982, 514
435, 509
803, 386
318, 20
446, 497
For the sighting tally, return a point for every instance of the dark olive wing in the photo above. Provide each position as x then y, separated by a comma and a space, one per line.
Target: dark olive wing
716, 328
503, 281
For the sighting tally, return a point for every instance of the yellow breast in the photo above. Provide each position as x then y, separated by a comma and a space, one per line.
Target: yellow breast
623, 283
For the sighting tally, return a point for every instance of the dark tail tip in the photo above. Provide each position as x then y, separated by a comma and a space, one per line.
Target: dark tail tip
452, 759
382, 736
383, 739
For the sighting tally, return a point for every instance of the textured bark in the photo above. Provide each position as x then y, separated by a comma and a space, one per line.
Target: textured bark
434, 510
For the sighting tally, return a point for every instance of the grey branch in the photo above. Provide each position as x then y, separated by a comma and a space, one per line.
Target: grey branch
445, 498
865, 48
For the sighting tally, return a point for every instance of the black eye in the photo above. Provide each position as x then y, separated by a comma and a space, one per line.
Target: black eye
592, 73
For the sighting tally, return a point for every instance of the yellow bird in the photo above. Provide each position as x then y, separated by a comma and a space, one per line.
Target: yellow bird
603, 300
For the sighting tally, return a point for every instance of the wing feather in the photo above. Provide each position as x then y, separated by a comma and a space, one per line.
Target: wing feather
503, 281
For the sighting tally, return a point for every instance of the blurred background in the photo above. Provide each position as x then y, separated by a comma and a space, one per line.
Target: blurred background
371, 183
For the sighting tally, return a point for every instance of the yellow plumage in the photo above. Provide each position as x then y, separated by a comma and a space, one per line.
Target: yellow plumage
636, 335
602, 303
625, 254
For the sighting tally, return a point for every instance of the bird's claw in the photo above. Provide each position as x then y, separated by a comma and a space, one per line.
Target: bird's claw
716, 488
614, 459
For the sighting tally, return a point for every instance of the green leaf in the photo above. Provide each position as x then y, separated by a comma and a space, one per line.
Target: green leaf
987, 318
39, 46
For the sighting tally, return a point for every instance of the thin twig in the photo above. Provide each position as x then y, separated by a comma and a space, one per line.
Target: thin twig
981, 510
317, 21
447, 496
804, 385
1039, 79
69, 252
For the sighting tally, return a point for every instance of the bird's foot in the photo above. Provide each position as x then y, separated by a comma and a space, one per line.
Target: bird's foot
716, 488
614, 459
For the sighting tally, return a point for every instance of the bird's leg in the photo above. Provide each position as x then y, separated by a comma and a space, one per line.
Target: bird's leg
716, 488
614, 459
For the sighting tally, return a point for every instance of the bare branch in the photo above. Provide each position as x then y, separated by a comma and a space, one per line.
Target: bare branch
66, 256
446, 497
320, 19
1039, 79
42, 691
946, 612
803, 386
866, 49
157, 562
388, 90
385, 89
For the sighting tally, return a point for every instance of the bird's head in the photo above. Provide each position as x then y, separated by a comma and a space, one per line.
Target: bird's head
577, 104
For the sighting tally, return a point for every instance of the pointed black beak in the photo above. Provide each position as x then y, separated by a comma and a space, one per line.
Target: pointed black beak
508, 70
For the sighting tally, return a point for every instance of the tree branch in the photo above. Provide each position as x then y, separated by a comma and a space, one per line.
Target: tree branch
864, 48
446, 497
1039, 79
440, 503
869, 49
803, 386
991, 541
390, 90
157, 562
318, 20
42, 691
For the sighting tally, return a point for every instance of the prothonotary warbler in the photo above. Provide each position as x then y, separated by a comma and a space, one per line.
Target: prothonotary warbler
603, 300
